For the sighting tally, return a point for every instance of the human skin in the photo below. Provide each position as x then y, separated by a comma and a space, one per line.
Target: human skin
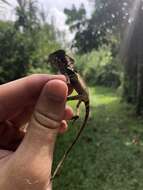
39, 100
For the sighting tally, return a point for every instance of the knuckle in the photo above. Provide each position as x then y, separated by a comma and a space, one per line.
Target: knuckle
45, 121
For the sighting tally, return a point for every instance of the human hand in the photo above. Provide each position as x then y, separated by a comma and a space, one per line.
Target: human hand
39, 100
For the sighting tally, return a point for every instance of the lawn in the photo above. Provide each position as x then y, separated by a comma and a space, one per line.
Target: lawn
109, 153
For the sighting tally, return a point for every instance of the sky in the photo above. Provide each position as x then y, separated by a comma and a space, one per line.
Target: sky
53, 8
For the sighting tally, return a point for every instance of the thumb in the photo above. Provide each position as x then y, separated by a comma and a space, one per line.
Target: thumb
36, 151
49, 111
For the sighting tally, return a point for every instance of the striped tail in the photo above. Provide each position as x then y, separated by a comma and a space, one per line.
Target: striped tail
87, 107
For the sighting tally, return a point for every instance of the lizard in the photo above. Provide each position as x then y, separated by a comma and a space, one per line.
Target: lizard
65, 65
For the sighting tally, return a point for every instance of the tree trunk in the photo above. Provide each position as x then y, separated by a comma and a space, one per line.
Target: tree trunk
139, 104
133, 80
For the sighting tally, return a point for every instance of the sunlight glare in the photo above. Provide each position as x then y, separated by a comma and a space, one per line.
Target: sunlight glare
130, 28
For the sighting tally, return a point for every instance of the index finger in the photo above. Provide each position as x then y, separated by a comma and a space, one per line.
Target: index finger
17, 94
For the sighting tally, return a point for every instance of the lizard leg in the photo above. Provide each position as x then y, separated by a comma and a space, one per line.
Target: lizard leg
76, 116
76, 97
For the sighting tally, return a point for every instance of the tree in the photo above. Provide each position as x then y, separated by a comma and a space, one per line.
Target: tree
133, 60
14, 53
26, 15
108, 19
4, 1
25, 43
75, 17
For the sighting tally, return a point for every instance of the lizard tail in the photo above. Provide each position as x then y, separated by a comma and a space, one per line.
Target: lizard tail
74, 141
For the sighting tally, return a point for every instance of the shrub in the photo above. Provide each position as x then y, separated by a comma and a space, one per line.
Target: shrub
99, 68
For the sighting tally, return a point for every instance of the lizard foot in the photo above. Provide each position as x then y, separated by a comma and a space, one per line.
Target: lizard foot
74, 118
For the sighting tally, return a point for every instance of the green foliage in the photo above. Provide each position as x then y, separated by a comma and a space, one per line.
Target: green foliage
25, 43
75, 17
22, 53
15, 49
46, 43
109, 18
99, 67
106, 156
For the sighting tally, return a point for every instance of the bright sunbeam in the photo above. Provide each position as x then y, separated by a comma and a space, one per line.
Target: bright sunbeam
130, 28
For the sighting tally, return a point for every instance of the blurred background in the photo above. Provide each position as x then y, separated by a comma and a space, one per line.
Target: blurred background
105, 37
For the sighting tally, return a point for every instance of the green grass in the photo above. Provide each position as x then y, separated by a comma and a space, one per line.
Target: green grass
105, 157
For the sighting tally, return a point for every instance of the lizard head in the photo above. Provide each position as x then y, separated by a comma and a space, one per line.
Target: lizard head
60, 61
56, 57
